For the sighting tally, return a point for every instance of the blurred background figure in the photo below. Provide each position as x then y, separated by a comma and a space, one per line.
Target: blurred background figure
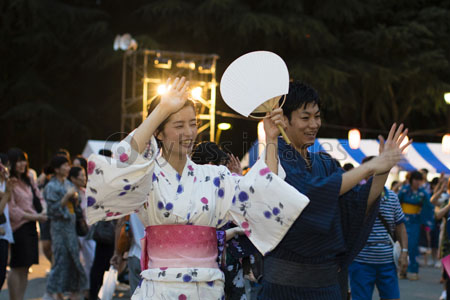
67, 274
25, 208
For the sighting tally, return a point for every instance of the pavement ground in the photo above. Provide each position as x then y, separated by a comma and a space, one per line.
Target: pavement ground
427, 288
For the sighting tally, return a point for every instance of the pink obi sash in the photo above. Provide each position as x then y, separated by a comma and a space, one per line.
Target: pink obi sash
179, 246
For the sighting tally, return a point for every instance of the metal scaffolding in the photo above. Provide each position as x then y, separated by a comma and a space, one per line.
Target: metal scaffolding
144, 70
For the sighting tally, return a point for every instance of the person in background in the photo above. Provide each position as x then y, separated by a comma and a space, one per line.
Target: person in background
6, 235
416, 204
442, 214
67, 274
134, 253
80, 161
23, 216
348, 167
375, 265
425, 184
77, 176
103, 254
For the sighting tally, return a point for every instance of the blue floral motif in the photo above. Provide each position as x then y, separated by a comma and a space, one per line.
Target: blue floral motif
221, 192
243, 196
275, 211
187, 278
216, 181
127, 187
160, 205
169, 206
122, 193
178, 177
267, 214
180, 189
90, 201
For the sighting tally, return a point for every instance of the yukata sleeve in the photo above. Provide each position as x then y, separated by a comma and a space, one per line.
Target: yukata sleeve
427, 212
262, 204
323, 191
357, 222
120, 185
53, 197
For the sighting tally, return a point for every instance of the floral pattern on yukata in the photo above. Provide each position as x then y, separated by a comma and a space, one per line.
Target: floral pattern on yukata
261, 203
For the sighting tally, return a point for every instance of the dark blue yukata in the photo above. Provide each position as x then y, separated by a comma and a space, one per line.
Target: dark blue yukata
326, 237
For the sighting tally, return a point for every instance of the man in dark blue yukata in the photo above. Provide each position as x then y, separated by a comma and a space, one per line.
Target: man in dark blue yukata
311, 261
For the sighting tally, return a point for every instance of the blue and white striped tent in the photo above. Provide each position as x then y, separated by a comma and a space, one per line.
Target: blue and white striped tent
418, 155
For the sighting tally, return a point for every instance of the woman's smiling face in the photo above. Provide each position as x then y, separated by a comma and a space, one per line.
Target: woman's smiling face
179, 132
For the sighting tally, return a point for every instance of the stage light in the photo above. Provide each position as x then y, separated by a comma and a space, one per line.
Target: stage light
205, 69
354, 138
197, 92
124, 42
183, 64
224, 126
446, 143
447, 98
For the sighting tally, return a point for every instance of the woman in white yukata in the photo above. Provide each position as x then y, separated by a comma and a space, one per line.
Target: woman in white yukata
181, 203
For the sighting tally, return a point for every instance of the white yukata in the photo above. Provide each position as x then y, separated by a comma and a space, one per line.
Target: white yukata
260, 202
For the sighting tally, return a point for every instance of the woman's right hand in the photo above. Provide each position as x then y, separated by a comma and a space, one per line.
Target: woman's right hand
175, 96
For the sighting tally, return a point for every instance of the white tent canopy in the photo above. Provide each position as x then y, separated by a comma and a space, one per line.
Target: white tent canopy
93, 146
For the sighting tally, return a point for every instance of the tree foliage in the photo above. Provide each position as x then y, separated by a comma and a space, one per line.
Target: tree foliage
373, 62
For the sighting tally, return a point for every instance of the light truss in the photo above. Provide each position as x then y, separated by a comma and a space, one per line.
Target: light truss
144, 70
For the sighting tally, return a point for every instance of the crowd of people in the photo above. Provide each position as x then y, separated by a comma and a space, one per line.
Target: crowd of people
185, 221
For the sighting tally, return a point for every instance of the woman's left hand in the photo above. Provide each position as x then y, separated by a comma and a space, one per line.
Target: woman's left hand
271, 122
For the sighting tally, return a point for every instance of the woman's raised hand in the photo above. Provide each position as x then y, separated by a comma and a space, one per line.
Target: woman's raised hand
175, 96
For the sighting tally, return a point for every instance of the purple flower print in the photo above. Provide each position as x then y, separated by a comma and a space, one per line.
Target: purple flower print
243, 196
187, 278
180, 189
90, 201
204, 200
160, 205
221, 192
169, 206
267, 214
275, 211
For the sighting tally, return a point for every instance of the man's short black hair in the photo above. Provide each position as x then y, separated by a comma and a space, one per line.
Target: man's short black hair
300, 94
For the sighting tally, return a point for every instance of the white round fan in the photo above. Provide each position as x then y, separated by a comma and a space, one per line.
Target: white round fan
254, 83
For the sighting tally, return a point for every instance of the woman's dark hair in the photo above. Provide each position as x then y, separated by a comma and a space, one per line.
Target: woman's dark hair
74, 172
154, 103
83, 161
16, 155
56, 162
300, 94
416, 175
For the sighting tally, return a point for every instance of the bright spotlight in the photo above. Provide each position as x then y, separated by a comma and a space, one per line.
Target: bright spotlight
161, 89
197, 92
224, 126
447, 98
